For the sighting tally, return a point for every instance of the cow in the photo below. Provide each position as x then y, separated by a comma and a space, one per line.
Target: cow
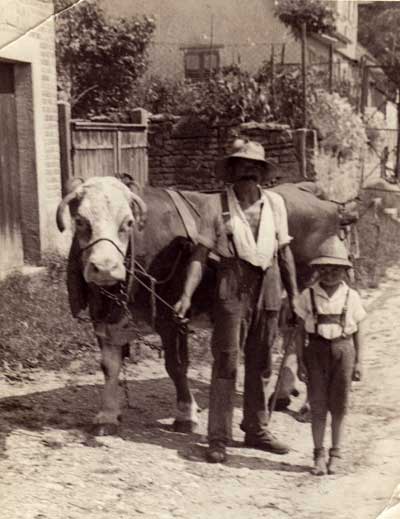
127, 263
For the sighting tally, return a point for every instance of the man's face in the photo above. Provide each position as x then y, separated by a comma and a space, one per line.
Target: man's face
245, 169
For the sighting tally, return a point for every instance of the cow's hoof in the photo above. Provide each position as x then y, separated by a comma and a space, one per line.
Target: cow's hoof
186, 426
105, 429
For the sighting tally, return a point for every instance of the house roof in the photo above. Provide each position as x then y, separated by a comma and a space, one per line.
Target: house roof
362, 51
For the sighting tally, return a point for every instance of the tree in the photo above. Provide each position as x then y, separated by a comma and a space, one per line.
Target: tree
318, 16
99, 58
378, 32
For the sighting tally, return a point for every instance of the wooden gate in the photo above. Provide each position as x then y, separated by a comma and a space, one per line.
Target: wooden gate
103, 149
11, 249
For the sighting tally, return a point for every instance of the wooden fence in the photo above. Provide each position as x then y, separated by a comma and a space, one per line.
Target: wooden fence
102, 149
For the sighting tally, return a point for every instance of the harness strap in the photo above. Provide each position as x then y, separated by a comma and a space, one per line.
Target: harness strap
226, 215
189, 222
99, 240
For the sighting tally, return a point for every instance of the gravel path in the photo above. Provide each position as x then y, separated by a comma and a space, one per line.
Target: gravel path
52, 468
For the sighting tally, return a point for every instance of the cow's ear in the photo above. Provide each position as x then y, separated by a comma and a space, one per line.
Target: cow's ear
72, 184
130, 183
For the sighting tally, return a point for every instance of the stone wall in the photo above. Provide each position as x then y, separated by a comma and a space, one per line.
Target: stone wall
183, 151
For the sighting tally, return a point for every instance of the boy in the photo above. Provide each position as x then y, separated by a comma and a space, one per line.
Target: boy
330, 352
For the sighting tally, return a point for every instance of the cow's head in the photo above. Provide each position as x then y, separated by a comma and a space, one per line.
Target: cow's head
104, 212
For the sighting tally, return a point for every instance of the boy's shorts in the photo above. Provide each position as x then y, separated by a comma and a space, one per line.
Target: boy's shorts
330, 365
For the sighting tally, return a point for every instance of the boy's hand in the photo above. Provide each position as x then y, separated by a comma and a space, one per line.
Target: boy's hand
302, 372
357, 372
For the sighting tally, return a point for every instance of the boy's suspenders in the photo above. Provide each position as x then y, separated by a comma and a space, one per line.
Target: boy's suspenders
329, 318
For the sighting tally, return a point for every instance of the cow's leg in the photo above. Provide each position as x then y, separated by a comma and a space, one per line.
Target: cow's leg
177, 364
108, 418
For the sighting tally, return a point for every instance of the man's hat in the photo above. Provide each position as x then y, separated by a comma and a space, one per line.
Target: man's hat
249, 150
332, 252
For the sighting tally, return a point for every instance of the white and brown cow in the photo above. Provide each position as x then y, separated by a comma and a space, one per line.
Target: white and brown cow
112, 225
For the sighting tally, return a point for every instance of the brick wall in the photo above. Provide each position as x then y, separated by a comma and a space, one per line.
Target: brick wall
183, 152
27, 39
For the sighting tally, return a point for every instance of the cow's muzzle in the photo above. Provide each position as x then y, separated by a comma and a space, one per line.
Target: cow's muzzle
105, 266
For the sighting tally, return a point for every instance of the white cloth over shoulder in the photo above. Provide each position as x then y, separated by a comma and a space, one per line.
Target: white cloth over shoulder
272, 230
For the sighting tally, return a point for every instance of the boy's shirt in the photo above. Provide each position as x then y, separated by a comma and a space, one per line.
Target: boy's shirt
331, 305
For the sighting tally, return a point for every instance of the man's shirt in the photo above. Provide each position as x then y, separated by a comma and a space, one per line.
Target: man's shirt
271, 223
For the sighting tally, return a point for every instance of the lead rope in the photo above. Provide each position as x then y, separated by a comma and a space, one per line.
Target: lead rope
132, 268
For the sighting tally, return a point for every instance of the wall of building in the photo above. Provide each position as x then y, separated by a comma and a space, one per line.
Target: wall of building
27, 40
245, 29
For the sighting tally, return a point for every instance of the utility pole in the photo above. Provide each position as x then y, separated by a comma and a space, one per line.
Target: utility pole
331, 68
398, 136
304, 70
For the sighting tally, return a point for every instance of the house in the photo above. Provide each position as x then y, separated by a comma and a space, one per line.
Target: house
29, 149
194, 36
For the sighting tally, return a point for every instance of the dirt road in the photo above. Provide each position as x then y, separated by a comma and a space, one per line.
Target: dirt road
51, 468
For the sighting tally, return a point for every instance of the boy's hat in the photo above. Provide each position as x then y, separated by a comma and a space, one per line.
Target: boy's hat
249, 150
332, 252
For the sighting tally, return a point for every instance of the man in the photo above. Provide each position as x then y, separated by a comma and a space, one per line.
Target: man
247, 228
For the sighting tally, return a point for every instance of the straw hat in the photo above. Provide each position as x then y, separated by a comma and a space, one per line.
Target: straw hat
332, 252
249, 150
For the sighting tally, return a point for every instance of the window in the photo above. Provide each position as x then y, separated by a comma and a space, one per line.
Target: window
200, 61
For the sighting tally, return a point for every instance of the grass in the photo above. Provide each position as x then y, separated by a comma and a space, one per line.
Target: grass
37, 328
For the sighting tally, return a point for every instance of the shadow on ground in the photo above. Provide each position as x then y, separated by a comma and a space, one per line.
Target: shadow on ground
148, 419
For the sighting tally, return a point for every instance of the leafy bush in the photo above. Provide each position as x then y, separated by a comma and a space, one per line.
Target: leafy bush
340, 128
318, 15
375, 126
231, 95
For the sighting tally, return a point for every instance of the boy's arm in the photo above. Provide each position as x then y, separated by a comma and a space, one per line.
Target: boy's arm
359, 347
301, 339
288, 273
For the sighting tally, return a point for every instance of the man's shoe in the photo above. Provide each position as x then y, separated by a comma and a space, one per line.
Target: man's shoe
265, 441
216, 452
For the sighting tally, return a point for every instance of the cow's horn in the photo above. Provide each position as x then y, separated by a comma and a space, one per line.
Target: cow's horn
139, 209
72, 191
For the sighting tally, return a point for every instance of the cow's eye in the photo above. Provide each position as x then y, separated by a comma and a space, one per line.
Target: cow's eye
127, 225
81, 224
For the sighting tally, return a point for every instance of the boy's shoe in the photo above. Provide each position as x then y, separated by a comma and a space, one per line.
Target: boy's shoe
216, 452
265, 441
334, 456
320, 468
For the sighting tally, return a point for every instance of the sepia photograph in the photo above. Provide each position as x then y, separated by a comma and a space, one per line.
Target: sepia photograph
199, 259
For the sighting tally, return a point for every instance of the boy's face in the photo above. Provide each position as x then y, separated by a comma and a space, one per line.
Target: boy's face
331, 275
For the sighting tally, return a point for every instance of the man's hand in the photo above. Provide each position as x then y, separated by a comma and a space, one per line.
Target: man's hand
183, 305
302, 372
357, 372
